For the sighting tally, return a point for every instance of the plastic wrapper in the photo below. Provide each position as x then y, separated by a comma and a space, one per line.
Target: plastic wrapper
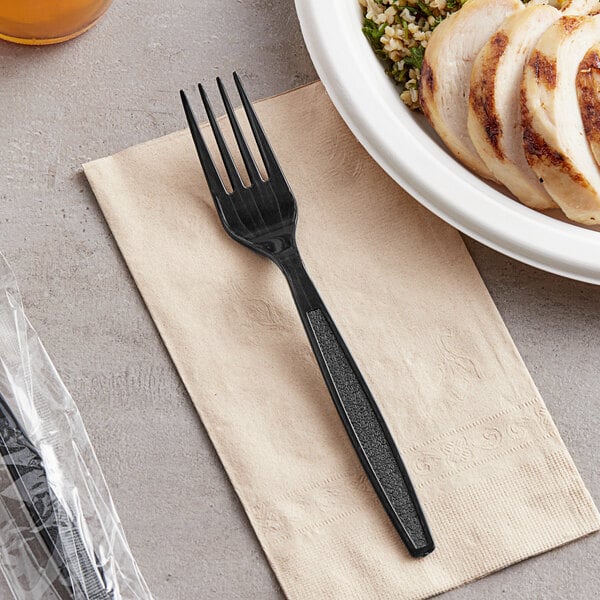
60, 536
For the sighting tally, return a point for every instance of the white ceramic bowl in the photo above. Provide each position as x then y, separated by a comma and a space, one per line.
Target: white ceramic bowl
402, 142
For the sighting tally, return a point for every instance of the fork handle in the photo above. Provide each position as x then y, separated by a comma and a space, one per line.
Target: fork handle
358, 411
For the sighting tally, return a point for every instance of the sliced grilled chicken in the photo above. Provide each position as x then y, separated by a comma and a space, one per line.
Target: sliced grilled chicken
580, 7
588, 94
494, 114
553, 131
446, 73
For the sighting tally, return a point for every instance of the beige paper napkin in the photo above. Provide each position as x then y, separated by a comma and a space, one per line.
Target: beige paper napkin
494, 477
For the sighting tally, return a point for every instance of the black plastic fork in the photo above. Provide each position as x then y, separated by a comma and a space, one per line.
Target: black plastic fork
262, 217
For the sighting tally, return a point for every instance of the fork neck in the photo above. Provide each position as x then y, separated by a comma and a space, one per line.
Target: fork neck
305, 294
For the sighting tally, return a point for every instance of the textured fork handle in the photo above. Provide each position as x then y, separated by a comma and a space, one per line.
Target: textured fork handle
358, 411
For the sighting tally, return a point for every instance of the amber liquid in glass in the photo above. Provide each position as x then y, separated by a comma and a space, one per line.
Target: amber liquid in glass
48, 21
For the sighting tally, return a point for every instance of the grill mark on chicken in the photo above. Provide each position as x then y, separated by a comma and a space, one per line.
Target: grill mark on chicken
571, 22
427, 78
483, 100
588, 93
538, 151
544, 68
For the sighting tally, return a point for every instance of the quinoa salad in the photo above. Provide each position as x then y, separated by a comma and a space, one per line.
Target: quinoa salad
399, 31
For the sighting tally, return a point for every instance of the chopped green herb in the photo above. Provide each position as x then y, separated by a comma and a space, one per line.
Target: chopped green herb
424, 9
399, 73
415, 59
373, 33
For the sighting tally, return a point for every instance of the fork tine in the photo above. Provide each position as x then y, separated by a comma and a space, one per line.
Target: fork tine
251, 167
213, 179
226, 210
264, 147
232, 172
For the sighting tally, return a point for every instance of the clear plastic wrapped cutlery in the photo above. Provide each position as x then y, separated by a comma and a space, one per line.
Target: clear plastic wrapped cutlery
60, 536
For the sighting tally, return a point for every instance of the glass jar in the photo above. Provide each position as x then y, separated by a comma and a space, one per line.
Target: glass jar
48, 21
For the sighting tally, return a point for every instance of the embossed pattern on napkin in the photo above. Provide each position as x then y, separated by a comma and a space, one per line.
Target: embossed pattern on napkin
495, 479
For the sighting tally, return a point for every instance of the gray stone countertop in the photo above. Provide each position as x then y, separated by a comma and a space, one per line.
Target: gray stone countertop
114, 87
